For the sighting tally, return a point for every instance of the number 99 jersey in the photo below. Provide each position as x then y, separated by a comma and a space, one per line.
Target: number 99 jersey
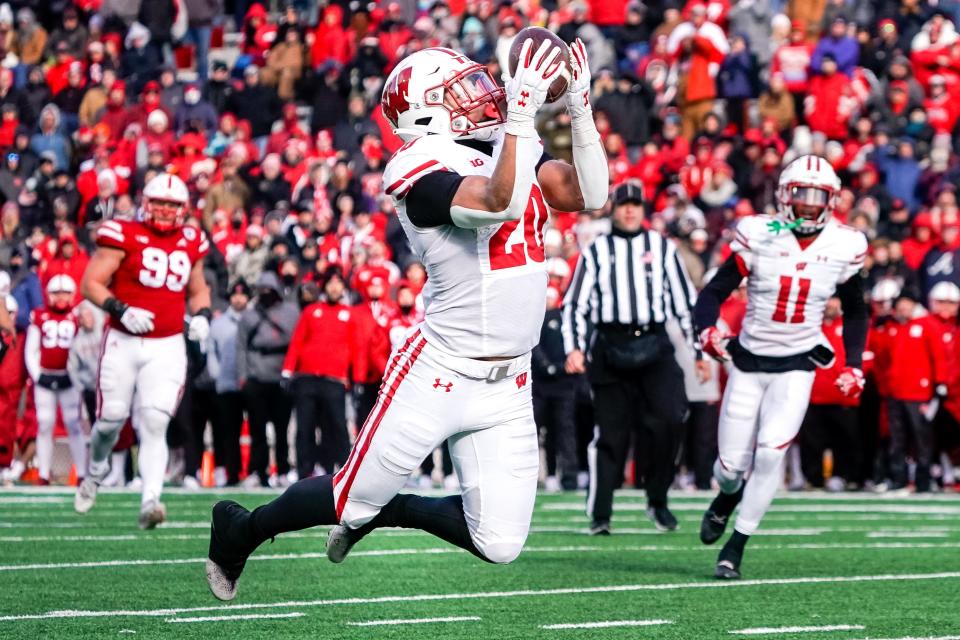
155, 270
787, 285
486, 287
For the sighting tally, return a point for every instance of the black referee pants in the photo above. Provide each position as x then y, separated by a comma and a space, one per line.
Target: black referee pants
651, 399
907, 422
320, 402
834, 427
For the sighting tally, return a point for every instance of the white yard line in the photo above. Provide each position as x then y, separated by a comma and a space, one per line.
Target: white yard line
905, 506
604, 624
28, 501
580, 549
484, 595
915, 638
759, 631
379, 623
248, 616
907, 534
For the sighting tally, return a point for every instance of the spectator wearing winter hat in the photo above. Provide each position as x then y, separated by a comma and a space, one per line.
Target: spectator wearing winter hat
284, 66
844, 50
31, 37
255, 103
249, 263
700, 46
777, 104
901, 171
194, 113
50, 137
139, 62
921, 239
219, 87
222, 367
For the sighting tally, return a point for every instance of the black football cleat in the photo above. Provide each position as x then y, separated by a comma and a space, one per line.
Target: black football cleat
728, 563
662, 518
712, 526
600, 528
229, 548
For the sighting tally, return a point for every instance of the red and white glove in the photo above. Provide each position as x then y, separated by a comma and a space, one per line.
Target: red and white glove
578, 87
850, 382
714, 343
527, 89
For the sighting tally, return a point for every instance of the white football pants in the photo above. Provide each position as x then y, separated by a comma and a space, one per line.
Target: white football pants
142, 378
69, 402
761, 415
484, 409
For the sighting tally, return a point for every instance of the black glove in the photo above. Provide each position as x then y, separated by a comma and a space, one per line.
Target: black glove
286, 385
358, 392
54, 382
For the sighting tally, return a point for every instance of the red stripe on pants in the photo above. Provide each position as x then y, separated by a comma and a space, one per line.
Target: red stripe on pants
388, 398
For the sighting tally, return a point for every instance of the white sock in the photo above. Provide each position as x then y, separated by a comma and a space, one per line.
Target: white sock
44, 449
153, 454
103, 437
766, 478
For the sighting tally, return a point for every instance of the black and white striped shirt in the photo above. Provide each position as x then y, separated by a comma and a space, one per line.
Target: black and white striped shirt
627, 280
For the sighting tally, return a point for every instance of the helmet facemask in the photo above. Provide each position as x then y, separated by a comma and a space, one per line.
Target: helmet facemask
476, 104
806, 207
164, 216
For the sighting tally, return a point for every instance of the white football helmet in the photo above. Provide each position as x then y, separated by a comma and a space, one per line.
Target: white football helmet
165, 201
807, 194
61, 284
442, 91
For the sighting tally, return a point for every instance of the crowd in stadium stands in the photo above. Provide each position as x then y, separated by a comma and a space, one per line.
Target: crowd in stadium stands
270, 113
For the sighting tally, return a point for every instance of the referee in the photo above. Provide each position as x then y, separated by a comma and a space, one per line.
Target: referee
627, 284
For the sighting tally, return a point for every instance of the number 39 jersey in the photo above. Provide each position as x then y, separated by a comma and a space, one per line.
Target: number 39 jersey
155, 270
57, 331
486, 287
788, 286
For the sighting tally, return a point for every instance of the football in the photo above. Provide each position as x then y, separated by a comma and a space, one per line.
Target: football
538, 35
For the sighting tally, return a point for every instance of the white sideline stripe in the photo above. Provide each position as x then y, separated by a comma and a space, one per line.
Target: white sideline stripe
377, 623
605, 624
247, 616
31, 500
908, 534
916, 638
373, 553
759, 631
483, 595
924, 509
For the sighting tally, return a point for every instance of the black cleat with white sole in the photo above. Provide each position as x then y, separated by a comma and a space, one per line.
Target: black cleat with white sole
712, 526
728, 564
229, 548
662, 518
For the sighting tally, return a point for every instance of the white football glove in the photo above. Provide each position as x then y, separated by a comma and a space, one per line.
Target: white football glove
137, 320
198, 330
527, 89
578, 89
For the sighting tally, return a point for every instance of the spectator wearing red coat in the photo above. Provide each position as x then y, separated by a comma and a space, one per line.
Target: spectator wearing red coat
324, 348
115, 113
944, 303
700, 47
921, 240
331, 41
826, 106
913, 361
941, 106
69, 259
374, 316
831, 420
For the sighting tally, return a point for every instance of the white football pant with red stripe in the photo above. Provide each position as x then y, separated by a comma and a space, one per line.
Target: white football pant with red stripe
759, 419
484, 409
69, 402
142, 377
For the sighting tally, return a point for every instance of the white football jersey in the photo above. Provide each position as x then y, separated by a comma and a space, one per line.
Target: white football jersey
787, 286
486, 288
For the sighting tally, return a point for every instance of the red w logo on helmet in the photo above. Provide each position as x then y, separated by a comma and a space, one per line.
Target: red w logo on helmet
394, 100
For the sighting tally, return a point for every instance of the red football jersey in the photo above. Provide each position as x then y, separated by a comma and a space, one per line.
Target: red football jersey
57, 331
155, 270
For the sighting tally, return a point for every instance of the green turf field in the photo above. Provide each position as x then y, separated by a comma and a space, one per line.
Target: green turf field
847, 566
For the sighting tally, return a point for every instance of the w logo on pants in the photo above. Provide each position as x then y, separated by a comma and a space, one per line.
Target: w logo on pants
521, 380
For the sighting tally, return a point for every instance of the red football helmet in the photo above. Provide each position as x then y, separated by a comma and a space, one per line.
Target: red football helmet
441, 91
165, 201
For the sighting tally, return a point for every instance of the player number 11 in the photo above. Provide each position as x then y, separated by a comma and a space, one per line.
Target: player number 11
786, 286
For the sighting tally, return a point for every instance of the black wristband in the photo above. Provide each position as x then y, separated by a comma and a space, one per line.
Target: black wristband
206, 313
114, 307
